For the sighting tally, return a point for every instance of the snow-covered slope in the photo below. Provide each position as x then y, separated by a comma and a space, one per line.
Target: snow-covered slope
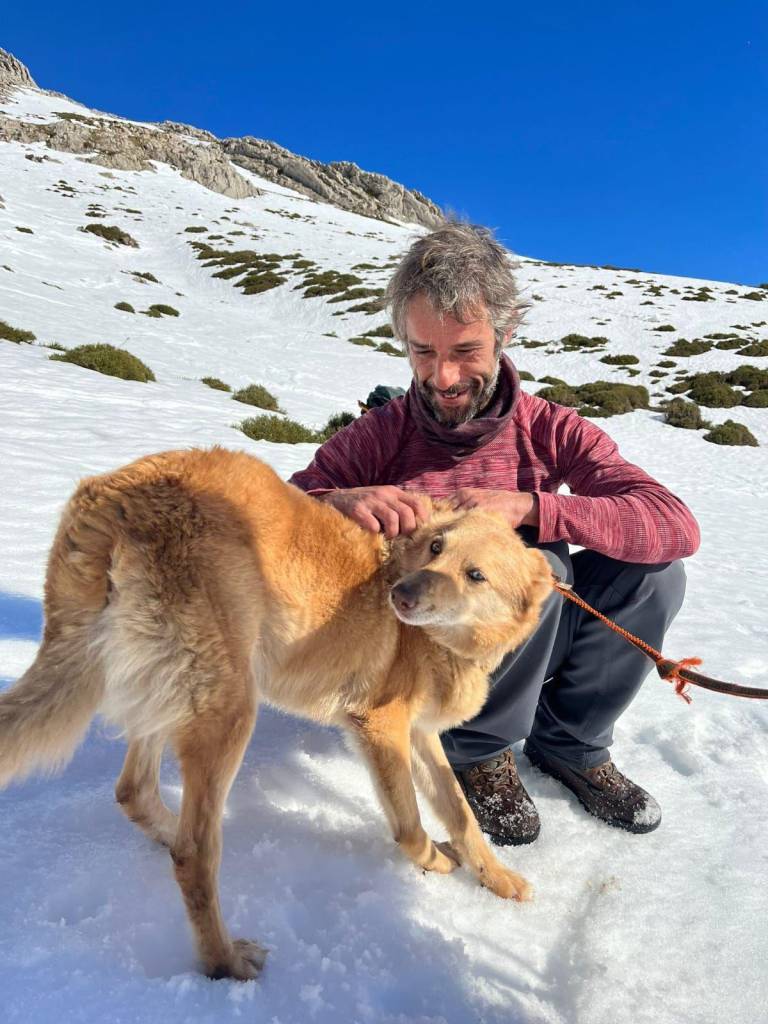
668, 927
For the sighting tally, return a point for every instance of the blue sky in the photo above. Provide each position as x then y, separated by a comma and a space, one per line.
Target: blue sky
623, 133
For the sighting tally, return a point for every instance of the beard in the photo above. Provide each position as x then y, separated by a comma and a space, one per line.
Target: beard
480, 390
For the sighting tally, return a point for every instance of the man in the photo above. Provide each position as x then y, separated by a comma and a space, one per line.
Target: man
465, 431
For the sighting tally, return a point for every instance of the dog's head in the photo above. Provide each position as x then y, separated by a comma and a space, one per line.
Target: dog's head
469, 580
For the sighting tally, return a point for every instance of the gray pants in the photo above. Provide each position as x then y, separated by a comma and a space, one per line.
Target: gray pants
569, 682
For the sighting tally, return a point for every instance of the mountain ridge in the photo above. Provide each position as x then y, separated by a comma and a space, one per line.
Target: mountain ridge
200, 156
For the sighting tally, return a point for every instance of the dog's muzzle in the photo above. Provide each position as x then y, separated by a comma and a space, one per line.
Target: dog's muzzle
410, 593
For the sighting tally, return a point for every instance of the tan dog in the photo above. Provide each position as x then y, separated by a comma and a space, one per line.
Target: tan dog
187, 586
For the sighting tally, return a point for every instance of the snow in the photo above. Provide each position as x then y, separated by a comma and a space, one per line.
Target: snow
665, 927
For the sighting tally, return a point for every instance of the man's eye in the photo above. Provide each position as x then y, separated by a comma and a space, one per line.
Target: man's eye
476, 576
436, 546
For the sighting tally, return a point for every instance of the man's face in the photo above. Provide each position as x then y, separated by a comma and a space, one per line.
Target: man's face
455, 365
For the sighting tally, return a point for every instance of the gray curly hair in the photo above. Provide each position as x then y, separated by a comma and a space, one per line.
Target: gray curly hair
461, 269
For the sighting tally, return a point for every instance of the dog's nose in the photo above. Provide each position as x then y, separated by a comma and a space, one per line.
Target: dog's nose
405, 595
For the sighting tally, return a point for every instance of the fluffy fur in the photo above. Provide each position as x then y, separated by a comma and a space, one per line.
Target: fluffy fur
187, 586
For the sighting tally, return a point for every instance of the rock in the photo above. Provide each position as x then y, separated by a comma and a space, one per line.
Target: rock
129, 147
342, 184
13, 74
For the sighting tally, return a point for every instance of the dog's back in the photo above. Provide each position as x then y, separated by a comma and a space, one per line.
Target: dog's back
168, 569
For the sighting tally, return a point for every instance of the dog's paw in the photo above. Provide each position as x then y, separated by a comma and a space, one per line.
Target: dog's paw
507, 884
450, 851
244, 964
442, 858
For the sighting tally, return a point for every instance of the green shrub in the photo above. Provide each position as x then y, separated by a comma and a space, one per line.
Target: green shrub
145, 276
390, 350
374, 306
756, 297
713, 392
336, 423
15, 334
664, 327
667, 364
126, 307
750, 377
215, 383
756, 348
56, 346
625, 360
303, 264
757, 400
114, 362
362, 340
364, 266
555, 381
328, 282
731, 432
277, 429
729, 343
683, 347
719, 336
385, 331
195, 229
679, 413
357, 293
254, 284
600, 398
525, 375
158, 309
111, 233
257, 395
25, 231
576, 341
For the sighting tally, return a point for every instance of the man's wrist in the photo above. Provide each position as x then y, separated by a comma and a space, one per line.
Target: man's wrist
531, 518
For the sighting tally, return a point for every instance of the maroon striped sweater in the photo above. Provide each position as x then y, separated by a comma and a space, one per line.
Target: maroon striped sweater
614, 507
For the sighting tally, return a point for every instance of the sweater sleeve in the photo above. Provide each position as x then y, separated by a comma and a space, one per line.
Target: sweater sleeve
615, 507
356, 456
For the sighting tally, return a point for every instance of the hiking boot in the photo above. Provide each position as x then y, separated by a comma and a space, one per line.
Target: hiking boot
603, 790
499, 801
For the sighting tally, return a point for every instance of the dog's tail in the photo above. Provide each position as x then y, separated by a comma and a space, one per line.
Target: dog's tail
44, 716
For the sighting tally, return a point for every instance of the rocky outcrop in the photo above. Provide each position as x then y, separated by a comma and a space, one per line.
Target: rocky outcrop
342, 184
130, 147
13, 74
201, 157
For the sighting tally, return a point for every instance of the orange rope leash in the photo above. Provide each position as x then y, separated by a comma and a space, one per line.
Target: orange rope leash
678, 672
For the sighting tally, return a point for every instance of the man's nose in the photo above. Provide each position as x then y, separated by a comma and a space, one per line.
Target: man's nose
446, 374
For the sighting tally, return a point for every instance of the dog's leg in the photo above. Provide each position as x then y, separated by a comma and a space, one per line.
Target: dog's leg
210, 749
137, 790
384, 736
444, 793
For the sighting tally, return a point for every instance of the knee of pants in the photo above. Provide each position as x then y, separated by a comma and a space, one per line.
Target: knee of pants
667, 586
664, 587
560, 560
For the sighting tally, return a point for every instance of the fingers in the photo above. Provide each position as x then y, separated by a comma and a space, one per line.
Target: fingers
420, 506
466, 497
388, 510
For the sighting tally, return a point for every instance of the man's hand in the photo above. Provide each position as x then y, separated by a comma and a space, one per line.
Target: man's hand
386, 509
519, 508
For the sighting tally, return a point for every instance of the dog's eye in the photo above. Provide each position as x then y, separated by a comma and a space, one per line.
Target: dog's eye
436, 546
476, 576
